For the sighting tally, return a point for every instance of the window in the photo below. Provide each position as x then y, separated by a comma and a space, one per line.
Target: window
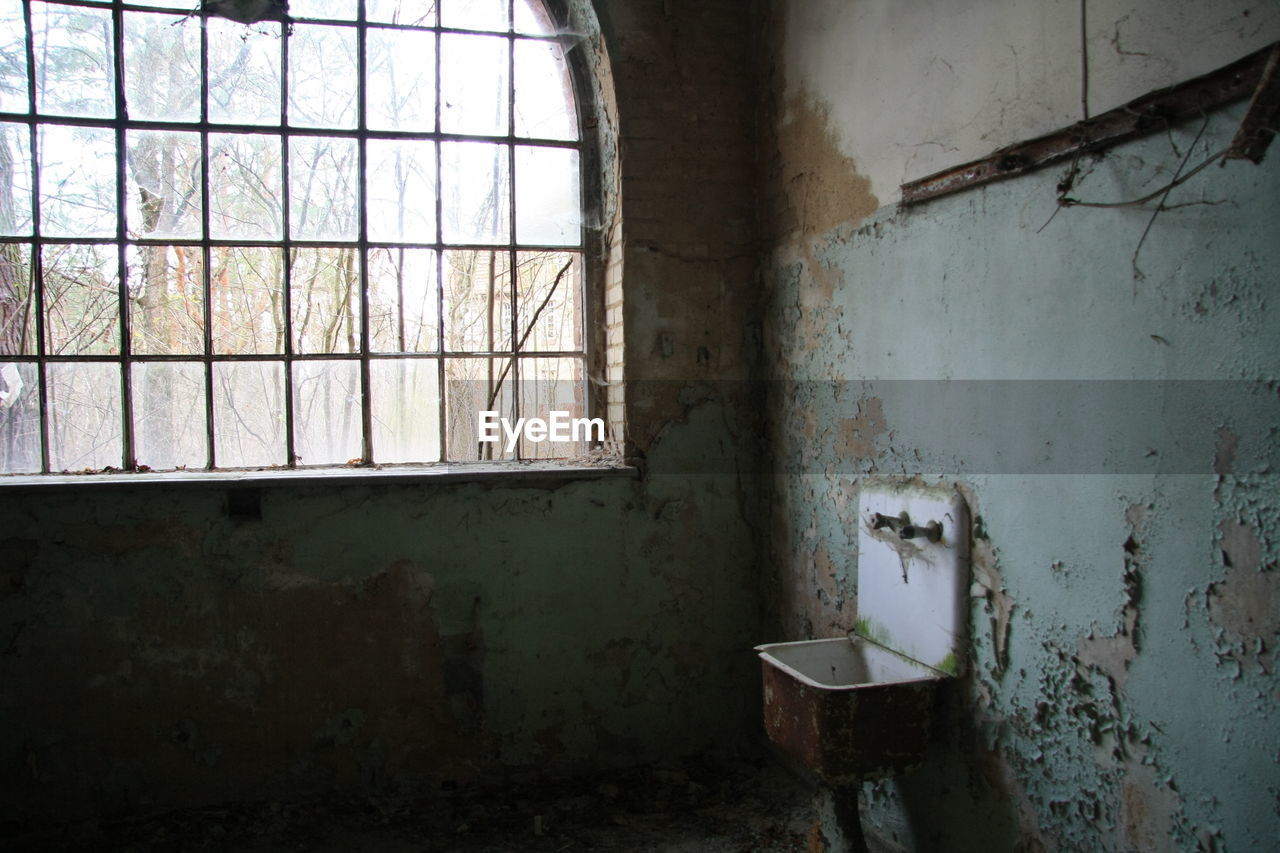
331, 238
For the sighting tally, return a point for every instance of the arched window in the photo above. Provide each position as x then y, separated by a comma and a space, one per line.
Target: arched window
334, 236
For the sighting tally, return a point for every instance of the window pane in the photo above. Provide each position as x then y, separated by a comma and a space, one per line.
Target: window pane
13, 58
531, 17
473, 386
166, 300
244, 186
475, 14
473, 84
169, 415
15, 180
402, 190
81, 299
19, 419
550, 288
248, 413
552, 389
248, 298
406, 410
477, 300
322, 188
77, 181
164, 175
548, 203
544, 93
244, 72
17, 301
401, 73
418, 13
337, 10
325, 285
322, 76
326, 412
403, 300
84, 416
162, 66
475, 191
75, 61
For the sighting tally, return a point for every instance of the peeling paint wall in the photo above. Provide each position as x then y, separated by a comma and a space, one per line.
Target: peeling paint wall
157, 652
1107, 403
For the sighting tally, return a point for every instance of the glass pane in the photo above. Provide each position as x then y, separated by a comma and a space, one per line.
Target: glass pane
169, 415
401, 73
322, 76
244, 72
548, 202
550, 288
322, 188
406, 410
15, 180
81, 299
19, 419
248, 413
403, 300
164, 180
77, 181
476, 387
162, 66
75, 60
336, 10
544, 92
532, 17
13, 58
402, 190
475, 14
326, 412
477, 301
417, 13
248, 298
84, 417
166, 299
17, 301
244, 186
325, 286
551, 390
473, 84
475, 191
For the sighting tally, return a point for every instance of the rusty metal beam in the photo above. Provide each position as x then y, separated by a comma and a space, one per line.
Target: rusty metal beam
1150, 113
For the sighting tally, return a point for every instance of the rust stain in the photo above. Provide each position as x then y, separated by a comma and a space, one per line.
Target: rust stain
1147, 810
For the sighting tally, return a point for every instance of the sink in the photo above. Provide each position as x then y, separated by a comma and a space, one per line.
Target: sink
848, 709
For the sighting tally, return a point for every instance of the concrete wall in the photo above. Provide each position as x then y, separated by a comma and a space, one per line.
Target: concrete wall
156, 652
1125, 604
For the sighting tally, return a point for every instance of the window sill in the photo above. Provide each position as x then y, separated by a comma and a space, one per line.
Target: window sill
507, 473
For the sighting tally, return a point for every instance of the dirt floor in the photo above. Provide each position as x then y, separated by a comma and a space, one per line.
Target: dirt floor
756, 808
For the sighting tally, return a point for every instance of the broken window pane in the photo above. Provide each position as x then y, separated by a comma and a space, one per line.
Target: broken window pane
244, 186
473, 84
75, 60
548, 201
81, 299
162, 66
325, 286
475, 15
168, 423
406, 409
247, 285
403, 306
166, 299
84, 416
401, 182
322, 76
17, 301
77, 181
19, 418
415, 13
475, 192
326, 412
544, 93
400, 70
248, 407
474, 386
164, 182
15, 180
552, 389
13, 59
550, 293
244, 72
323, 197
477, 299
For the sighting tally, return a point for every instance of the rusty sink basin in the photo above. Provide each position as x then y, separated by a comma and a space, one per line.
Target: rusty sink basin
847, 708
